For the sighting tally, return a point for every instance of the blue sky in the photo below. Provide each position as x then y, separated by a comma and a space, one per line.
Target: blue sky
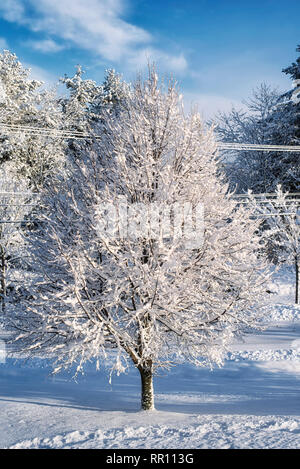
219, 50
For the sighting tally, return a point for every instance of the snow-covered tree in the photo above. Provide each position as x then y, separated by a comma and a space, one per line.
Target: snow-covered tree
282, 217
84, 105
286, 119
266, 120
251, 169
25, 103
291, 102
127, 264
76, 106
15, 204
85, 102
114, 92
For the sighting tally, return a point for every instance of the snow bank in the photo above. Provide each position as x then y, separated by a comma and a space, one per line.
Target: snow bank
210, 431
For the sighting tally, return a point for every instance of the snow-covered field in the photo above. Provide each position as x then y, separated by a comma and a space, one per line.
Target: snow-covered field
252, 402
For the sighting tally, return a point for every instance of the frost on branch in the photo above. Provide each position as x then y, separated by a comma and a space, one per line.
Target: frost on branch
149, 297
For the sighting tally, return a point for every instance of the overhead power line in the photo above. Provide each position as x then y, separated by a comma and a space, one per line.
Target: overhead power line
8, 129
265, 194
258, 147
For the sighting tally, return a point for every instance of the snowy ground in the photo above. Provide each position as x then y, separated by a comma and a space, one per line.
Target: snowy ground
252, 402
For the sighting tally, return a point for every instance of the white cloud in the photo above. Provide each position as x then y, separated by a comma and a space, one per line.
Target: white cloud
45, 45
3, 43
12, 10
94, 25
90, 24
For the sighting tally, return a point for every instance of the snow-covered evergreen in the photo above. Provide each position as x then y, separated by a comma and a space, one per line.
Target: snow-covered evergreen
83, 106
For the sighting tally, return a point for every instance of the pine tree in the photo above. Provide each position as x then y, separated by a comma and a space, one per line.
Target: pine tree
289, 115
85, 105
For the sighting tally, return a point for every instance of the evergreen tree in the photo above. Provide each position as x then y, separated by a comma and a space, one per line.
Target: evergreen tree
289, 108
284, 125
85, 105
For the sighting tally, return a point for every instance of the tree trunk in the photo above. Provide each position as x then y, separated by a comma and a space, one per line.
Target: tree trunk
297, 281
147, 398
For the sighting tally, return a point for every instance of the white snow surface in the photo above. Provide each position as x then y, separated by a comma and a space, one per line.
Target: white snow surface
252, 402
